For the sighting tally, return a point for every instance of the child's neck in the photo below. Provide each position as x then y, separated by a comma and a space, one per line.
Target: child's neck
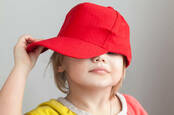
102, 108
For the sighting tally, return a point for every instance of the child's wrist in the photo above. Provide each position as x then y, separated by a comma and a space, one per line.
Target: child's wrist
22, 68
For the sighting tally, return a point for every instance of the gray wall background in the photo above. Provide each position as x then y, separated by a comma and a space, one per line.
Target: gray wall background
149, 78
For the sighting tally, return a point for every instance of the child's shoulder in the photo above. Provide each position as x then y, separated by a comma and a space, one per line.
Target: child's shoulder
50, 107
129, 98
133, 106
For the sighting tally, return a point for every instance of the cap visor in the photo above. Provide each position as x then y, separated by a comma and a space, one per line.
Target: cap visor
69, 46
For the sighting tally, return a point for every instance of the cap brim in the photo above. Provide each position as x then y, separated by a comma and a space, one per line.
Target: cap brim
68, 46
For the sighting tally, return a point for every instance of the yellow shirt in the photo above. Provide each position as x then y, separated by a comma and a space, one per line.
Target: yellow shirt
51, 107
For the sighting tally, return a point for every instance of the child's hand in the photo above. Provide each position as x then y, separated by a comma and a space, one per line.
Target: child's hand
21, 57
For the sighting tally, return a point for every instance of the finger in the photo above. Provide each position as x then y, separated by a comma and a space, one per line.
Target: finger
33, 39
23, 39
28, 38
39, 49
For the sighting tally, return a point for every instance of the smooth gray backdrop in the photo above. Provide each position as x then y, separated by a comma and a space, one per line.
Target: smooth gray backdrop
149, 78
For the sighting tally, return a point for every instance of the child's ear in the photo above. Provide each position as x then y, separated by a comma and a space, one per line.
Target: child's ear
60, 69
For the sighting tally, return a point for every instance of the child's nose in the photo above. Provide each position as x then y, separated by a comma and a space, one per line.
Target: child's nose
101, 58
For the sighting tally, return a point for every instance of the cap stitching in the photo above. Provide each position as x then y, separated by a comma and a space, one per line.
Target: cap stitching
107, 37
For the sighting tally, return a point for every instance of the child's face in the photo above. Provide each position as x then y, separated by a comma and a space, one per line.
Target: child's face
78, 70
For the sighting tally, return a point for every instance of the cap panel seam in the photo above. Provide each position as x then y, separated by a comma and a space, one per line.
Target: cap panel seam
107, 37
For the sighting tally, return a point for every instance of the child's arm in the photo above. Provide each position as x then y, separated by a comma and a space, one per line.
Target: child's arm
11, 94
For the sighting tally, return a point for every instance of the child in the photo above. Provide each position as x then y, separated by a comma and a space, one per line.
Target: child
91, 53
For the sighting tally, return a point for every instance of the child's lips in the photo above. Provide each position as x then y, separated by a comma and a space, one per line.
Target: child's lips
99, 70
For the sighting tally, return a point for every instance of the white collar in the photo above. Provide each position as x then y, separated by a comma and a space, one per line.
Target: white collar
78, 111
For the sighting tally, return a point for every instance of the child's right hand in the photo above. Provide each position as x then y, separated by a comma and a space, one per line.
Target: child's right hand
21, 57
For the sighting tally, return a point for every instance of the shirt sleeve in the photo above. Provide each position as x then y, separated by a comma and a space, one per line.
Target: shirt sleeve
134, 107
42, 110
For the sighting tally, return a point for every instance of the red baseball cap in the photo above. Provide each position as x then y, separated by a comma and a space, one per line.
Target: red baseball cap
90, 30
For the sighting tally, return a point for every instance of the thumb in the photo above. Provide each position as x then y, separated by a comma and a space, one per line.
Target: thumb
40, 49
